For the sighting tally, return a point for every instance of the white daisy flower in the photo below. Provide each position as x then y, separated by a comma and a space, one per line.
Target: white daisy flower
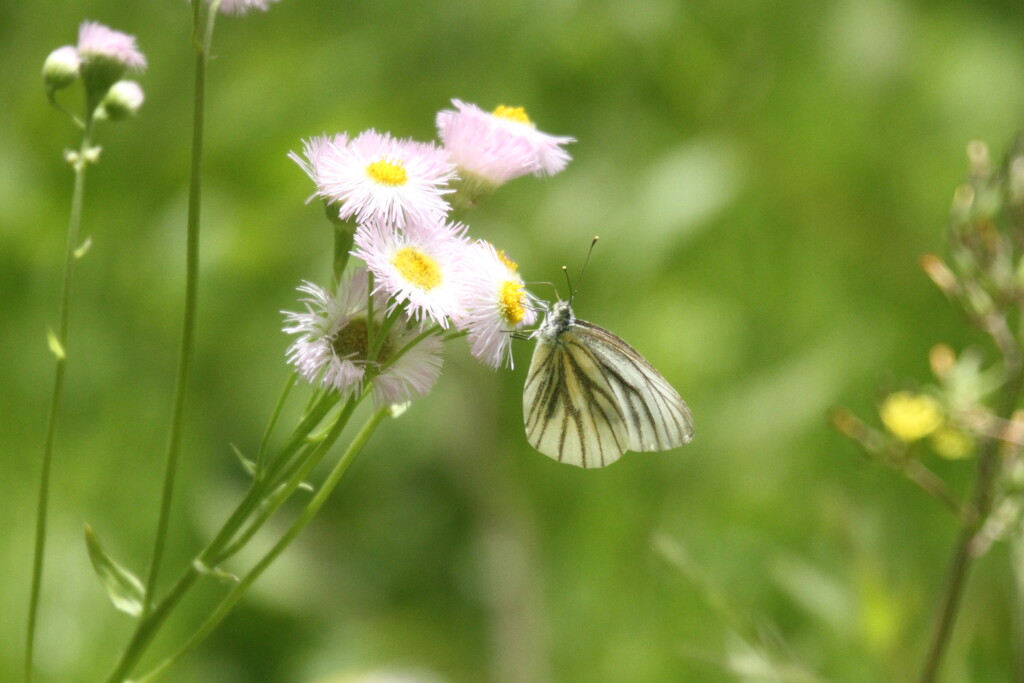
332, 347
423, 267
376, 176
496, 304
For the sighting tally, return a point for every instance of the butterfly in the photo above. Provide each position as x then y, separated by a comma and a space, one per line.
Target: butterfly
590, 396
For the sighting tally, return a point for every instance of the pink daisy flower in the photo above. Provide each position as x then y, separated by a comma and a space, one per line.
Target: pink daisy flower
422, 268
376, 177
242, 6
496, 304
332, 347
96, 41
497, 147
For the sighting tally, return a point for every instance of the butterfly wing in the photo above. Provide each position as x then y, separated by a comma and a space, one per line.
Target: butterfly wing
570, 411
655, 416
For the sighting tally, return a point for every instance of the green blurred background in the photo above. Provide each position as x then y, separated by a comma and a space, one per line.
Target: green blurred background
763, 175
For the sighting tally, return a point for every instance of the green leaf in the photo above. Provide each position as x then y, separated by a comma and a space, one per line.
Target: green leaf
56, 348
123, 587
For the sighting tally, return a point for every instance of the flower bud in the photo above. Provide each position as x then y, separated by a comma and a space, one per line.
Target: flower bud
942, 360
123, 100
939, 273
61, 68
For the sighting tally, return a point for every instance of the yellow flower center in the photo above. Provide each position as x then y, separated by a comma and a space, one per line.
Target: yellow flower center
517, 114
911, 416
417, 268
386, 173
511, 302
512, 266
352, 341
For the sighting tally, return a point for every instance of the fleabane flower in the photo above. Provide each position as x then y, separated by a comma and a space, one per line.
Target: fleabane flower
496, 304
490, 149
422, 267
332, 348
378, 177
314, 151
242, 6
96, 41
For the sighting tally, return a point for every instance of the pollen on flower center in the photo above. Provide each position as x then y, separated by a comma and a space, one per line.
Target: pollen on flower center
511, 302
352, 341
417, 268
387, 173
517, 114
509, 263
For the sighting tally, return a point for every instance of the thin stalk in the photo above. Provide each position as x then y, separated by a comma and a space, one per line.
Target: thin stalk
965, 550
300, 435
261, 453
259, 487
370, 320
344, 233
188, 331
42, 508
295, 477
374, 345
296, 528
150, 623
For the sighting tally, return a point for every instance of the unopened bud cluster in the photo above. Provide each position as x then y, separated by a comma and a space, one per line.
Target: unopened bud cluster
100, 61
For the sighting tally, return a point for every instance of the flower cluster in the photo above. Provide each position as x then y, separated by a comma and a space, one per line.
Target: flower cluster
101, 58
424, 276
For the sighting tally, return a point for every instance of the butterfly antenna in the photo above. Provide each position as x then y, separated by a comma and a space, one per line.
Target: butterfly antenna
572, 291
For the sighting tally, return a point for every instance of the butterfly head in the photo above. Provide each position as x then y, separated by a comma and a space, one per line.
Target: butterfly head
559, 318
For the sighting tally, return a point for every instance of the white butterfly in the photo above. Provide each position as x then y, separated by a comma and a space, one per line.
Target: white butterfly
590, 396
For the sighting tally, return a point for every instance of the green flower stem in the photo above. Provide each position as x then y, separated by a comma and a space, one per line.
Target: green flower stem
300, 436
298, 525
436, 329
261, 453
377, 341
344, 232
258, 491
369, 313
188, 332
295, 478
70, 257
150, 623
984, 490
